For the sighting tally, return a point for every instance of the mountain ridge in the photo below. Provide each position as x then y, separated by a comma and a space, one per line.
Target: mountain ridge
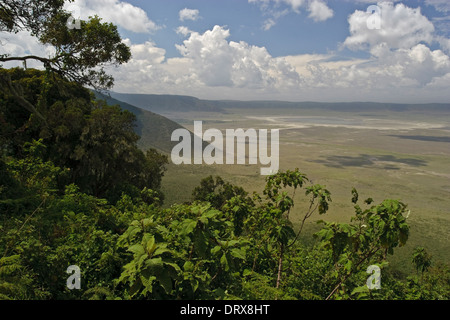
164, 102
182, 103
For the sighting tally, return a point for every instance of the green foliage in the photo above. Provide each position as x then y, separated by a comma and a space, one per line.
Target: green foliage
377, 231
433, 284
185, 252
217, 192
76, 190
45, 230
421, 259
246, 249
94, 143
81, 53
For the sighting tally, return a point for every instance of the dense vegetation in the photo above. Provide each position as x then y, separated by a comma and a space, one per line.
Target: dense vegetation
76, 190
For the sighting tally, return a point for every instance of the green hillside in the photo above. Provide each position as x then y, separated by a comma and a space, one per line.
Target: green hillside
155, 130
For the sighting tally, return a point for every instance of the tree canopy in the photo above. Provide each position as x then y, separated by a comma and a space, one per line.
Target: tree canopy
80, 54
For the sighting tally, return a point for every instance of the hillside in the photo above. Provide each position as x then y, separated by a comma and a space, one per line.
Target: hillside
155, 130
158, 103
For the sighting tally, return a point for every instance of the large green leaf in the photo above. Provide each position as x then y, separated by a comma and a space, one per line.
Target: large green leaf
224, 262
238, 253
188, 226
137, 249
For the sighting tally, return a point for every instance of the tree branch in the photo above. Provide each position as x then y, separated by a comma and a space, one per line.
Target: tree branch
6, 82
25, 58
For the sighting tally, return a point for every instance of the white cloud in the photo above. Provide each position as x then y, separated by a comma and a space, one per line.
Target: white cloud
400, 57
306, 63
401, 66
268, 24
319, 11
415, 67
210, 66
183, 30
411, 75
22, 44
272, 21
189, 14
213, 67
121, 13
440, 82
372, 2
401, 27
440, 5
218, 62
294, 4
146, 52
445, 44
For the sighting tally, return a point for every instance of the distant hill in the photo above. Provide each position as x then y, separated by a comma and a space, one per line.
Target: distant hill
155, 130
167, 103
336, 106
161, 103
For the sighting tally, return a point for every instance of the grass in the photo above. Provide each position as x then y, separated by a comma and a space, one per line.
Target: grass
406, 159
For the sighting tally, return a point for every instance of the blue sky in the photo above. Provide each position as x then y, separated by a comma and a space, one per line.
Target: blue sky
321, 50
294, 33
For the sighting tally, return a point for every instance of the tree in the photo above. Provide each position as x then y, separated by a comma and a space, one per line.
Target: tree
216, 191
96, 143
29, 15
421, 260
80, 53
379, 229
280, 204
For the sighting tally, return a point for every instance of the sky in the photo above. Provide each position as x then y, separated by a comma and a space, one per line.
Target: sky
291, 50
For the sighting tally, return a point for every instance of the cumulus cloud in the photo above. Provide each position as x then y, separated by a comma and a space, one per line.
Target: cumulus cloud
208, 61
401, 61
121, 13
445, 44
400, 51
146, 52
218, 62
213, 67
401, 64
418, 74
401, 27
189, 14
414, 67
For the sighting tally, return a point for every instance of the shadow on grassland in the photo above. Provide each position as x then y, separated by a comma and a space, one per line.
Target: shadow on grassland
365, 160
424, 138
